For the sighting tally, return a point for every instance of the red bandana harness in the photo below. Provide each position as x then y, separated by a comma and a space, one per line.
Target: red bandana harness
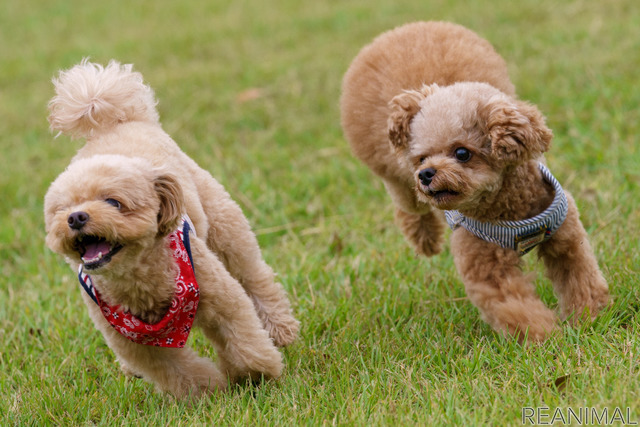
173, 329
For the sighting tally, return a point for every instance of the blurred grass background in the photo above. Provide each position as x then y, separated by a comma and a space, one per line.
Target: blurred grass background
250, 90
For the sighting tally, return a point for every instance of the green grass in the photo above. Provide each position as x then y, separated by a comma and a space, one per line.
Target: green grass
388, 338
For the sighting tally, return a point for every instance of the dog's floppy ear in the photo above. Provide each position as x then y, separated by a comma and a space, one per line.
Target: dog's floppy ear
171, 202
403, 108
516, 128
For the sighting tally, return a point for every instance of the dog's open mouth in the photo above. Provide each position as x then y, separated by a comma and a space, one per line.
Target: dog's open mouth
96, 251
442, 195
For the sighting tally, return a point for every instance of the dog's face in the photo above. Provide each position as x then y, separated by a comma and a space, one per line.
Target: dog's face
104, 210
460, 139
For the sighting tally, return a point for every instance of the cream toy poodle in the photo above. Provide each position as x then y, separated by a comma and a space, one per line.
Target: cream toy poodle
429, 107
159, 244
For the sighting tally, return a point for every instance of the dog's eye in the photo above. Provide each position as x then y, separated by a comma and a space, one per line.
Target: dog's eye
421, 159
462, 155
114, 203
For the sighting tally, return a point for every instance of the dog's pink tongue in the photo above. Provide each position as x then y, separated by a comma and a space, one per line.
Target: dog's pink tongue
94, 249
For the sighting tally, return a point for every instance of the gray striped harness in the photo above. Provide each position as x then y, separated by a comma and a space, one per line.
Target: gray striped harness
522, 235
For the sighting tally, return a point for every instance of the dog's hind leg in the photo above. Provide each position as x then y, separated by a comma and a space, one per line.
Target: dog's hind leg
495, 283
231, 238
228, 318
573, 269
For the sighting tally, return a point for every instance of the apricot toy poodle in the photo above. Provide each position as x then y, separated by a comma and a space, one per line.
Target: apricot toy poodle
159, 244
430, 109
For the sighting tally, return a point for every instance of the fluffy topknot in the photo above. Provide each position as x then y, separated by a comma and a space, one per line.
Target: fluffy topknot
92, 98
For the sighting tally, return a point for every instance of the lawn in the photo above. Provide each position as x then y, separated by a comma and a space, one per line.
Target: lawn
250, 90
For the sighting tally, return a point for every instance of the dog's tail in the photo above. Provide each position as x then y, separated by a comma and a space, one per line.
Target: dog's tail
91, 98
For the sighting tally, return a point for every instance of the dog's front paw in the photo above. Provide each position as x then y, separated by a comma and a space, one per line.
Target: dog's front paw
599, 301
539, 331
250, 356
283, 330
128, 371
424, 232
585, 301
586, 310
276, 318
526, 319
267, 364
429, 247
273, 367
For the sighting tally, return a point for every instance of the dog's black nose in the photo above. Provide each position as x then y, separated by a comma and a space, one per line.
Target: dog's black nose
77, 220
426, 175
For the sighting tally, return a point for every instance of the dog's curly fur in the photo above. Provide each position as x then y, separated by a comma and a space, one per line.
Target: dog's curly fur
128, 158
413, 97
